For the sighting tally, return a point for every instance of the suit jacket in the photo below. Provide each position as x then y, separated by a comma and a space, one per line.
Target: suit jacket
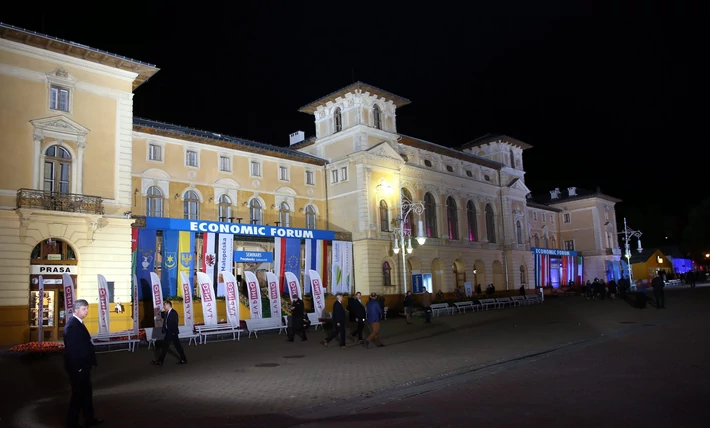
170, 325
78, 350
357, 310
338, 313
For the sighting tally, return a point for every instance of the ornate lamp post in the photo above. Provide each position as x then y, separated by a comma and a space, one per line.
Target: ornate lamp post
403, 235
628, 234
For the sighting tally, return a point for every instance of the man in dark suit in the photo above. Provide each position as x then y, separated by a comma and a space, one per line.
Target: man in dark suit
357, 315
338, 322
79, 358
297, 316
172, 332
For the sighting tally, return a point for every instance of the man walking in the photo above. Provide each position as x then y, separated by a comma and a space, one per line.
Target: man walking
426, 303
658, 285
408, 307
357, 313
172, 332
338, 322
79, 358
297, 320
374, 315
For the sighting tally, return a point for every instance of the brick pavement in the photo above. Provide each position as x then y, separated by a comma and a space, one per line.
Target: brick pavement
222, 384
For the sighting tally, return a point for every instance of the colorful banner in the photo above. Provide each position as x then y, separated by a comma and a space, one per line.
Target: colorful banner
341, 273
230, 284
134, 305
186, 247
40, 310
209, 257
209, 306
103, 306
164, 223
170, 262
145, 261
318, 294
225, 252
157, 293
254, 295
68, 296
188, 316
316, 250
274, 295
287, 258
294, 287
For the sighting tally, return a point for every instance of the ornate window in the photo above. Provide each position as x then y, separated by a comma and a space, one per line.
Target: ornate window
255, 212
57, 170
337, 120
224, 208
452, 218
490, 224
386, 274
310, 217
377, 116
285, 215
384, 217
430, 215
191, 206
519, 232
471, 220
154, 202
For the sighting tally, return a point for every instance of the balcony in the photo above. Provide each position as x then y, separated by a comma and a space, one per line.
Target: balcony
54, 201
613, 251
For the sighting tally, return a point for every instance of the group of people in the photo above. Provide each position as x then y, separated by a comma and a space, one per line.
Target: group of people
598, 289
359, 313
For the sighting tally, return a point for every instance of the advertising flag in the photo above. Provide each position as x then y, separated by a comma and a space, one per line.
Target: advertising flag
189, 315
254, 295
274, 295
294, 287
209, 257
225, 255
318, 295
157, 293
230, 285
209, 306
341, 274
103, 305
68, 296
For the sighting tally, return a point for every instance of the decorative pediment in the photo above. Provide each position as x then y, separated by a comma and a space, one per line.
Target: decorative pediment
60, 127
518, 184
384, 150
62, 77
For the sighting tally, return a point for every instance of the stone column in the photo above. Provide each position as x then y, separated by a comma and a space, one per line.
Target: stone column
79, 167
38, 159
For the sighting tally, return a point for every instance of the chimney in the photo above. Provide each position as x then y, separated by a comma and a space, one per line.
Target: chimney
554, 194
296, 137
572, 191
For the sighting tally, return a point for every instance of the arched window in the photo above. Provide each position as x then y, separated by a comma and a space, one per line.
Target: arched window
537, 241
519, 232
452, 218
310, 217
377, 115
57, 170
191, 206
255, 212
384, 217
386, 274
490, 224
430, 215
285, 215
224, 207
337, 120
471, 220
154, 202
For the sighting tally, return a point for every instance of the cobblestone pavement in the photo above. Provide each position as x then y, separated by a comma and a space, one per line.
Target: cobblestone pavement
224, 385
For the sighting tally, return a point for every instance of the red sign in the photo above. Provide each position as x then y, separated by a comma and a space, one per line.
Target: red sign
293, 287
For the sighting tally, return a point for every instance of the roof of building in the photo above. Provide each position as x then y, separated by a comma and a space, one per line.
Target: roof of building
446, 151
533, 204
215, 139
492, 137
76, 50
571, 194
398, 101
644, 255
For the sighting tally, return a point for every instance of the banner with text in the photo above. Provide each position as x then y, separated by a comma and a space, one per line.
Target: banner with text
254, 295
40, 310
225, 252
293, 285
103, 305
341, 273
145, 261
318, 295
157, 293
164, 223
189, 315
230, 284
68, 296
209, 256
274, 295
209, 306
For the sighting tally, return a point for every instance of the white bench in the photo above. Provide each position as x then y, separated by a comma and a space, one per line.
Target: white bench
127, 337
519, 300
502, 301
262, 324
315, 323
532, 298
462, 306
210, 330
485, 303
441, 307
185, 333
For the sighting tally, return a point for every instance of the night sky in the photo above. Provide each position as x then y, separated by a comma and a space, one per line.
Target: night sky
608, 95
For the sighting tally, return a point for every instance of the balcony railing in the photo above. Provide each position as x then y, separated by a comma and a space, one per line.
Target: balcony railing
55, 201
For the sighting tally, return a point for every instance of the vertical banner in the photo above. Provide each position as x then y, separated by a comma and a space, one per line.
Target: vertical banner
342, 267
186, 247
68, 296
135, 305
188, 316
157, 293
209, 257
225, 255
294, 287
316, 250
318, 295
145, 260
103, 305
209, 306
170, 262
40, 310
274, 295
468, 289
254, 295
287, 258
230, 285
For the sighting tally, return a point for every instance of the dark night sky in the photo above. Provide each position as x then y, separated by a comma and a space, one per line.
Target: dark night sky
607, 95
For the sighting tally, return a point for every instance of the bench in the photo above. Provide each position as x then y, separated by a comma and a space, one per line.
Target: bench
519, 300
462, 306
262, 324
127, 337
315, 321
532, 298
185, 333
441, 307
502, 301
210, 330
485, 303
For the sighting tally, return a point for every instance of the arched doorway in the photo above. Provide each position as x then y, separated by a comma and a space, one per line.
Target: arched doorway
498, 279
51, 259
459, 271
437, 275
479, 274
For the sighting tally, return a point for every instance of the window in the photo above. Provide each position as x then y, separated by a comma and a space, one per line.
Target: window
337, 120
537, 241
606, 213
452, 218
283, 173
471, 220
512, 159
191, 158
154, 202
552, 218
255, 169
469, 173
519, 232
225, 164
544, 242
405, 157
191, 206
57, 170
255, 212
377, 116
449, 168
427, 162
344, 173
409, 221
535, 215
310, 178
430, 215
155, 152
310, 217
490, 224
334, 176
58, 98
225, 208
386, 274
544, 218
569, 245
567, 218
285, 215
384, 217
487, 178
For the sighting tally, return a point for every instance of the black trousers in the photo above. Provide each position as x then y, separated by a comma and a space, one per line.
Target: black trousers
640, 300
297, 328
81, 398
337, 330
175, 340
358, 330
660, 298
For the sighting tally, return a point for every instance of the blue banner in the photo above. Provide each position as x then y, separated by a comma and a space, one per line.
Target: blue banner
417, 284
161, 223
553, 252
170, 263
293, 257
145, 260
253, 257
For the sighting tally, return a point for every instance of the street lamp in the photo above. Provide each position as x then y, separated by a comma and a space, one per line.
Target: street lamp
403, 235
628, 234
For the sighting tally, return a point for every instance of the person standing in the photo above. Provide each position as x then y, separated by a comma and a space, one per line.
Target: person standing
408, 307
658, 285
426, 303
297, 320
338, 322
79, 358
172, 333
374, 315
357, 313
